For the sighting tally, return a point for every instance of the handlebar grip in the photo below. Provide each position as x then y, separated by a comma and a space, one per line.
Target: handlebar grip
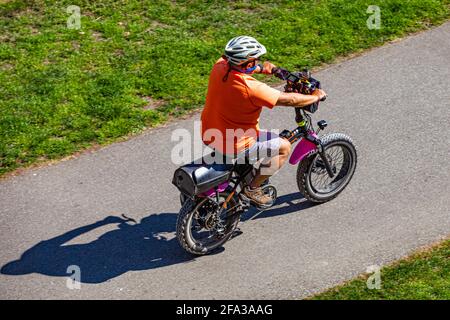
280, 73
324, 98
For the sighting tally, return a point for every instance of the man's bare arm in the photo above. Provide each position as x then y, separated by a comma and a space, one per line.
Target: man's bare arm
292, 99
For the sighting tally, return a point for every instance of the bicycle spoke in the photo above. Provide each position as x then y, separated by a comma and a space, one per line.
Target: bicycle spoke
319, 178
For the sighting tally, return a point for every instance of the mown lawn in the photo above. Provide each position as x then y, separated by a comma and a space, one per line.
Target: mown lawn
425, 275
135, 63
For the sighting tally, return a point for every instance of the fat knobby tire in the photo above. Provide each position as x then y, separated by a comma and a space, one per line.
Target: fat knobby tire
303, 167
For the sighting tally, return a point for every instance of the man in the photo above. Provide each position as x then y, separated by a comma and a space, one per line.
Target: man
234, 103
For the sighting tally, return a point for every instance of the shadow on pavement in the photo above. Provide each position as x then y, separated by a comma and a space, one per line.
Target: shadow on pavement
130, 247
286, 204
149, 244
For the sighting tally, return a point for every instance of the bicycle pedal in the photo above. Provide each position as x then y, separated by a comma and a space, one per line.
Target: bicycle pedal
245, 202
246, 205
264, 207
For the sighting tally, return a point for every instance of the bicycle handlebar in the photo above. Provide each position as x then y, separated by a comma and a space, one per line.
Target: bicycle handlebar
300, 82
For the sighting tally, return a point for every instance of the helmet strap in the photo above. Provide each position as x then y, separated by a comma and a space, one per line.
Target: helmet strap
241, 70
225, 77
246, 70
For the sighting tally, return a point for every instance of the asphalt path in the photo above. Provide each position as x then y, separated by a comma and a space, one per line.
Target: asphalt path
394, 101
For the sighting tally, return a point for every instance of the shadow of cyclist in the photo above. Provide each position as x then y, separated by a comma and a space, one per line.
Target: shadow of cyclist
145, 245
149, 244
285, 204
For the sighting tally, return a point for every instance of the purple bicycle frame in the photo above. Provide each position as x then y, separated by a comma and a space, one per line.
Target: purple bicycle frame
302, 149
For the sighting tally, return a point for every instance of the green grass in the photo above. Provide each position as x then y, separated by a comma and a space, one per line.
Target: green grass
63, 90
425, 275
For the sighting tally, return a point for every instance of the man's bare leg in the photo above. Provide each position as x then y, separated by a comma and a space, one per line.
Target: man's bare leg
274, 164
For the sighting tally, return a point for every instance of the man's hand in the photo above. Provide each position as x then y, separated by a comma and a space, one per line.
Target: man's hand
112, 219
267, 67
319, 93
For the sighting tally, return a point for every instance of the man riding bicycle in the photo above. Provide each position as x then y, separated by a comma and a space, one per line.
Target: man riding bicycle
234, 103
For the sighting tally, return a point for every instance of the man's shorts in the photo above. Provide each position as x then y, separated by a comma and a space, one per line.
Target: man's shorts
267, 146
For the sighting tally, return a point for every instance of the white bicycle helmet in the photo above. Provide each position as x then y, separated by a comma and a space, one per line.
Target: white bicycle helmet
242, 49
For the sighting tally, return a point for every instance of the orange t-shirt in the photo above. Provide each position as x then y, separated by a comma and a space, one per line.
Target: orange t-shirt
230, 119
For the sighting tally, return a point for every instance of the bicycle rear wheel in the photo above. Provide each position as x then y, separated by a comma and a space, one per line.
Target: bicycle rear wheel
199, 235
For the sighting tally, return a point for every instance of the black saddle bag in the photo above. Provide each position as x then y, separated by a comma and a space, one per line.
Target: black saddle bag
193, 179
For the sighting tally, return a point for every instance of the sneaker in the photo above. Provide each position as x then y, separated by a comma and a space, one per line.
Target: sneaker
257, 196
